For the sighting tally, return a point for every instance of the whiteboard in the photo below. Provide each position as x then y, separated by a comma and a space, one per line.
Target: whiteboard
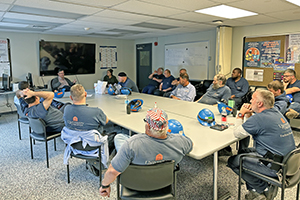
192, 56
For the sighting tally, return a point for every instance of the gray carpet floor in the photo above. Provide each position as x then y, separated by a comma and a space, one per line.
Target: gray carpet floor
24, 178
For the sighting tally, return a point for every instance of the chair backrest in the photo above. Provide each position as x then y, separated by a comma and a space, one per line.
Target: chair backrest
148, 177
207, 83
78, 146
292, 161
38, 126
19, 110
51, 85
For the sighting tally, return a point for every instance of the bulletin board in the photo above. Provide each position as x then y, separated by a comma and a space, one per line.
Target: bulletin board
5, 64
193, 56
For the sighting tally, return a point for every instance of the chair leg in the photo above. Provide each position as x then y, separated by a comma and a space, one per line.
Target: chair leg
297, 196
47, 158
54, 144
19, 130
282, 193
31, 150
68, 173
100, 170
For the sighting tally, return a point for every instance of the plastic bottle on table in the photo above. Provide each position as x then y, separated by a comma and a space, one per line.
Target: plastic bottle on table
155, 105
224, 115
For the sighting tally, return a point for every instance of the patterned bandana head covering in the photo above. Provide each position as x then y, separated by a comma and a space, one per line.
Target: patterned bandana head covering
156, 118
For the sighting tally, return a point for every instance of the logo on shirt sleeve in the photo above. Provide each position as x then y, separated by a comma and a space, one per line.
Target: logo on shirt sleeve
75, 119
159, 157
282, 120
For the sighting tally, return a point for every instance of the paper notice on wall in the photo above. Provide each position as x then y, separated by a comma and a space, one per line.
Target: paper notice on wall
108, 57
255, 75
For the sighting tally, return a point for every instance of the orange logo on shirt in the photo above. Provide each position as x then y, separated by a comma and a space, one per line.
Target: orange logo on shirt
75, 119
282, 120
159, 157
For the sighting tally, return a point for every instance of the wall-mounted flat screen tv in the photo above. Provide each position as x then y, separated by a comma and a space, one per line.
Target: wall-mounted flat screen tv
73, 58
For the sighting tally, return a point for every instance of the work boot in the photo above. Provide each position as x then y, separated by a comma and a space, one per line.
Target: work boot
253, 195
291, 114
271, 192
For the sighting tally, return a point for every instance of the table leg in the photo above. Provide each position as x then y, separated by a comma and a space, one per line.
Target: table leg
130, 132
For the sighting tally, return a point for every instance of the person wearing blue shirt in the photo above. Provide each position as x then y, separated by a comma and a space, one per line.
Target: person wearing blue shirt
155, 79
166, 84
185, 90
238, 85
124, 81
272, 135
281, 101
216, 92
292, 86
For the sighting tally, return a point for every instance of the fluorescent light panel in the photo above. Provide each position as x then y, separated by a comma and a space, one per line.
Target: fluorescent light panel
226, 12
296, 2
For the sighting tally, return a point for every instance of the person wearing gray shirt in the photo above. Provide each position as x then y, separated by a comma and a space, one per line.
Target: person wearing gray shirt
124, 81
216, 92
185, 90
144, 149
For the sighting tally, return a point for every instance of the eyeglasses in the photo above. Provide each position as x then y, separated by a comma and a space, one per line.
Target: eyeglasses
286, 75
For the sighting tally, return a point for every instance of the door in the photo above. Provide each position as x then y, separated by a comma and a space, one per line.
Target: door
143, 64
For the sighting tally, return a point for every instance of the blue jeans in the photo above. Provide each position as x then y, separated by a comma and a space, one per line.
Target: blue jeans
255, 165
149, 89
295, 106
120, 140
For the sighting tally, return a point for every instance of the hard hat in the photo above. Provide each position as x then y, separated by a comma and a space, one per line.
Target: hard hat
111, 90
125, 90
175, 127
60, 93
227, 108
206, 117
136, 104
290, 97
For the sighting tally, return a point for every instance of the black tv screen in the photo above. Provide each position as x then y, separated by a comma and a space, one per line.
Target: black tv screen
73, 58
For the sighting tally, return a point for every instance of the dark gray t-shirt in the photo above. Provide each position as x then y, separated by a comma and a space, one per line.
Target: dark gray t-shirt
83, 118
142, 149
296, 95
212, 96
271, 132
130, 84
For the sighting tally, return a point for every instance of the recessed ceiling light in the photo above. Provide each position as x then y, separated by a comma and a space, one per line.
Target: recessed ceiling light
226, 12
296, 2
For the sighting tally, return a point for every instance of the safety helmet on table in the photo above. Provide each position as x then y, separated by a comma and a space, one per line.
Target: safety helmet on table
290, 97
175, 127
206, 117
112, 90
59, 93
125, 90
223, 105
136, 105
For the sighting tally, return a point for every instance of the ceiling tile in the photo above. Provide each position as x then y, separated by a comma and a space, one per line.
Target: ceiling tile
107, 20
287, 15
123, 15
188, 5
260, 19
4, 7
196, 17
93, 3
148, 9
36, 18
7, 24
170, 22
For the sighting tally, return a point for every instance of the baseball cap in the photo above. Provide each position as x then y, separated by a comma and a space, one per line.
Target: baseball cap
122, 74
156, 118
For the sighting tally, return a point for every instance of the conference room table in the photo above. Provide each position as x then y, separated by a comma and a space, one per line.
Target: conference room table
206, 141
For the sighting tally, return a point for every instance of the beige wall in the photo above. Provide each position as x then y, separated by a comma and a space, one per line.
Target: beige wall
256, 31
25, 56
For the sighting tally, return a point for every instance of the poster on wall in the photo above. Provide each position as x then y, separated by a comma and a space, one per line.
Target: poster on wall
293, 50
270, 52
252, 54
108, 57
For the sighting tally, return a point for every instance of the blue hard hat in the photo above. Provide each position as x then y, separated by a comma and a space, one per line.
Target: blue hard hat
136, 104
60, 93
227, 108
290, 97
206, 117
111, 90
125, 90
175, 127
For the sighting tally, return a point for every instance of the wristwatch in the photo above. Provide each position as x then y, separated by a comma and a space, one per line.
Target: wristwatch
105, 186
241, 115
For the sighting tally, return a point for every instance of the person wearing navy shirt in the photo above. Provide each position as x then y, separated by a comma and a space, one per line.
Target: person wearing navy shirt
281, 101
238, 85
124, 81
272, 135
292, 86
155, 79
166, 84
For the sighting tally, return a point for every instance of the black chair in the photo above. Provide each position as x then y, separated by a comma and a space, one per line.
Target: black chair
157, 181
39, 133
289, 172
203, 87
21, 119
78, 146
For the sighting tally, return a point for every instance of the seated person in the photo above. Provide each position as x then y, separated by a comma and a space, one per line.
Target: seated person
281, 101
61, 82
155, 79
124, 81
185, 90
166, 84
80, 117
153, 146
292, 86
36, 109
110, 78
271, 133
238, 85
216, 92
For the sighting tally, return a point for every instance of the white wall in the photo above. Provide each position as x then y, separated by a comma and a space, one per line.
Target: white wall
257, 31
158, 52
25, 56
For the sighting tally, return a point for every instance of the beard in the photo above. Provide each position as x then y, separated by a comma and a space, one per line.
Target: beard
234, 78
216, 86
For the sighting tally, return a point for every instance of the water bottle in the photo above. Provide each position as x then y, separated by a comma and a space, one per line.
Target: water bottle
224, 115
126, 100
128, 109
155, 105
